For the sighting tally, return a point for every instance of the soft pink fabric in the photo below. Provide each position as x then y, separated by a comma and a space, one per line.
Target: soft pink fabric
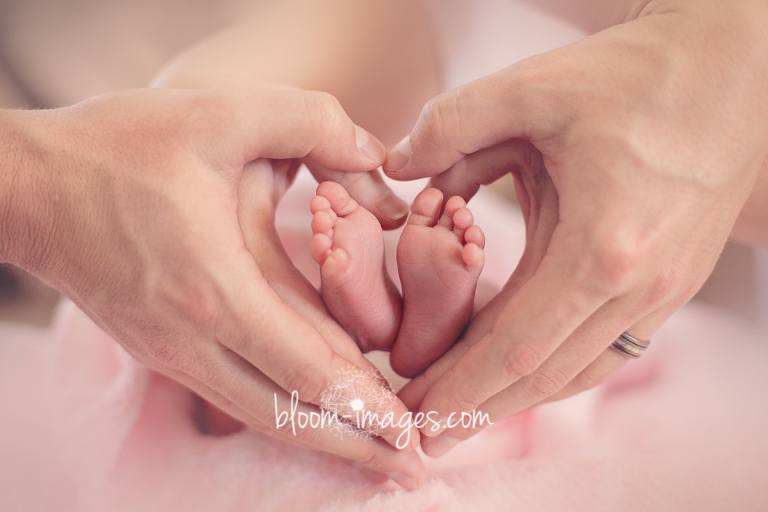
86, 428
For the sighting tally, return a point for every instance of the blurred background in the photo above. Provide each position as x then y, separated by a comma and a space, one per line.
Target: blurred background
55, 53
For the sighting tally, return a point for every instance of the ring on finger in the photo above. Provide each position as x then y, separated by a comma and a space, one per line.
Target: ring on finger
629, 345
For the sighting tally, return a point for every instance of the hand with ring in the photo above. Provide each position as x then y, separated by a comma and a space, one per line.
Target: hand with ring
633, 152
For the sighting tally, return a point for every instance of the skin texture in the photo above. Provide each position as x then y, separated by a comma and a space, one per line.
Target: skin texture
192, 317
348, 244
634, 152
153, 210
439, 259
376, 57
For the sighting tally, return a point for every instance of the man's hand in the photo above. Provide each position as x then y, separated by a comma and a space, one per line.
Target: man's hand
145, 209
633, 151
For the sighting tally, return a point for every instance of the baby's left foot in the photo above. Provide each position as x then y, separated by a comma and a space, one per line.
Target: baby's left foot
439, 262
349, 246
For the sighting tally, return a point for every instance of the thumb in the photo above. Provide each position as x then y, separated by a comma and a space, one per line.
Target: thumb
475, 116
282, 123
370, 191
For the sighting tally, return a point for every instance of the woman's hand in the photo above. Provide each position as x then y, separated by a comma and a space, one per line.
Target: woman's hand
633, 151
148, 210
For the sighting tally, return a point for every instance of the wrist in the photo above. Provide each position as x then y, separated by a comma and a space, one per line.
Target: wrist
12, 187
25, 217
722, 42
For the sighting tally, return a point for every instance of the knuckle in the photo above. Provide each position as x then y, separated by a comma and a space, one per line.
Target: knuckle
589, 379
522, 361
548, 383
439, 119
662, 286
614, 264
324, 111
306, 380
462, 398
369, 457
211, 109
177, 359
198, 303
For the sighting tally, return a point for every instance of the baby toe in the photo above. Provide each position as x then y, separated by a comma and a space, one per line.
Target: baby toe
320, 247
426, 208
338, 198
474, 258
319, 204
454, 204
462, 219
335, 265
475, 235
322, 222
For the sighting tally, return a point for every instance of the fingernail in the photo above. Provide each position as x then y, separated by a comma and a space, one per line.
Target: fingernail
415, 440
370, 146
399, 156
404, 480
393, 441
438, 446
393, 207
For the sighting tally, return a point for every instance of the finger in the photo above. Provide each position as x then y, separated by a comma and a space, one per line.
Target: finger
475, 116
486, 166
283, 123
563, 374
228, 407
586, 344
263, 243
597, 372
265, 247
370, 191
522, 338
272, 407
610, 360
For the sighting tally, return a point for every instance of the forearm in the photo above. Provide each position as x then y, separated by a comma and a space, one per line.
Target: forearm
376, 57
733, 42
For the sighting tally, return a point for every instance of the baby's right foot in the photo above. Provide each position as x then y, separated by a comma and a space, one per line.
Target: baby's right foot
349, 246
439, 262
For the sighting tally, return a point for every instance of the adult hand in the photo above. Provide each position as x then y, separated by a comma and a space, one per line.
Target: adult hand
145, 209
633, 152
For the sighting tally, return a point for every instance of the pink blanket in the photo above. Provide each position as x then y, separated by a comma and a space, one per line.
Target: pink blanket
86, 428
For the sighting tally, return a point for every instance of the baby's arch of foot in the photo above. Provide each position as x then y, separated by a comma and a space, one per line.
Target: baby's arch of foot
440, 257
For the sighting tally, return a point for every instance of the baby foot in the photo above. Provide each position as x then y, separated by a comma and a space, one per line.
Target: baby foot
349, 246
439, 262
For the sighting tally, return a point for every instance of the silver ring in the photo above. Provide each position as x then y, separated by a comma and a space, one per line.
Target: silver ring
629, 345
